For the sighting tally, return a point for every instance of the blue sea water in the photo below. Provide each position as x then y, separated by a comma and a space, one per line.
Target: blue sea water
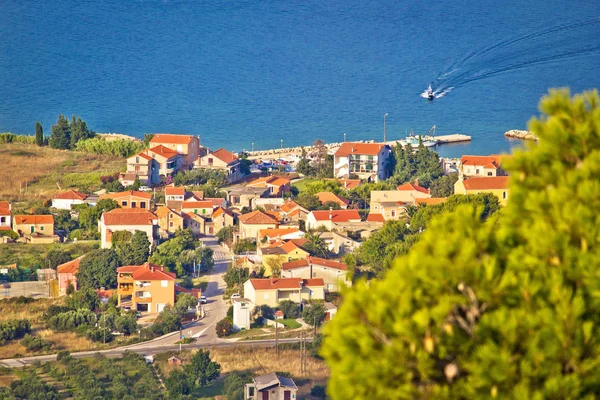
246, 72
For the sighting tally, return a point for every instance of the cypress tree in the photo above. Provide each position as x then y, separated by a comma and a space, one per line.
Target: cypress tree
79, 131
60, 138
39, 134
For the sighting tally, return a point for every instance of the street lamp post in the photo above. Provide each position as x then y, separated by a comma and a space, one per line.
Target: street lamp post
384, 133
281, 144
344, 137
253, 147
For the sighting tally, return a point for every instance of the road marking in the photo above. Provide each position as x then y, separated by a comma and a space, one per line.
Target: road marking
197, 335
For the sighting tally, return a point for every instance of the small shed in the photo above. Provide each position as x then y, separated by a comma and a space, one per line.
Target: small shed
241, 313
149, 359
173, 360
330, 309
279, 314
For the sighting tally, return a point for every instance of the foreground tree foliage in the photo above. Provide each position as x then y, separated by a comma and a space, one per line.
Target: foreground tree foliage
506, 307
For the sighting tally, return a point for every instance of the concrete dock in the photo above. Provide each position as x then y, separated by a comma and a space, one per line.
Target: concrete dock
455, 138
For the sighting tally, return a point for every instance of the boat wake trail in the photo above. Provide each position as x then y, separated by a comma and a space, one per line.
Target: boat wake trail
562, 42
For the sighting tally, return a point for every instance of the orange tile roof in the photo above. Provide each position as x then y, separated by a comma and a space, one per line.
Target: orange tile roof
129, 216
71, 195
294, 264
104, 293
486, 183
175, 191
284, 283
163, 151
412, 187
269, 181
346, 183
223, 155
171, 138
34, 219
4, 211
216, 201
289, 206
328, 263
324, 197
148, 272
220, 210
4, 204
431, 200
373, 217
277, 232
197, 204
162, 211
347, 148
336, 215
70, 267
491, 161
132, 193
292, 245
257, 217
143, 155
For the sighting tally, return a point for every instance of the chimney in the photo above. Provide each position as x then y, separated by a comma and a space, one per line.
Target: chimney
417, 182
330, 215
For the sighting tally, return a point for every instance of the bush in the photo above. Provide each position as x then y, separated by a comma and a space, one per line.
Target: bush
100, 335
12, 138
224, 327
234, 386
33, 343
63, 356
11, 234
289, 309
119, 147
318, 391
14, 329
243, 246
230, 312
72, 319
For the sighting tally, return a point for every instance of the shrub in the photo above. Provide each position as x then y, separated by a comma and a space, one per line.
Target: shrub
100, 335
289, 309
14, 329
318, 391
63, 356
230, 312
33, 343
224, 327
119, 147
12, 138
11, 234
72, 319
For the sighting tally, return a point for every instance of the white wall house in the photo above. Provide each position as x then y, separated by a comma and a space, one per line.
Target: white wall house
65, 200
241, 313
127, 219
368, 161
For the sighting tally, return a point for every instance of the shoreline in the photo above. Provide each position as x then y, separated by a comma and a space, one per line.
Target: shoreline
520, 134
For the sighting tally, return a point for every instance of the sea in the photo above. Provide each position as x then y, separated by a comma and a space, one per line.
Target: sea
265, 74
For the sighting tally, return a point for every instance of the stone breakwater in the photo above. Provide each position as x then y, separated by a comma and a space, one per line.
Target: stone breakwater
520, 134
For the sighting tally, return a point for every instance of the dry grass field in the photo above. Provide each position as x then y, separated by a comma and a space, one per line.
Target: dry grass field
33, 174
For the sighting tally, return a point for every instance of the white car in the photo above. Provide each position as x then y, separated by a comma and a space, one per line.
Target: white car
236, 296
145, 189
202, 299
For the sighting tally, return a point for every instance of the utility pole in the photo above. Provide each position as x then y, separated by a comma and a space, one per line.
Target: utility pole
277, 338
104, 318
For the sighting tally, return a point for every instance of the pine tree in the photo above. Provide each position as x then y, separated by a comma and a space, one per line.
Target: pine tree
39, 134
79, 131
60, 138
506, 307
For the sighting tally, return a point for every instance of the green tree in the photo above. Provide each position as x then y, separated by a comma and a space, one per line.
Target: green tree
134, 252
236, 276
443, 186
79, 131
89, 216
316, 246
225, 235
304, 166
503, 307
308, 201
289, 308
234, 386
224, 327
63, 221
60, 138
86, 298
56, 257
98, 269
39, 134
315, 314
178, 384
201, 369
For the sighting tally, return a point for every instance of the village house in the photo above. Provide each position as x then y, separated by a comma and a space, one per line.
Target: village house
368, 161
169, 161
412, 191
67, 273
169, 220
292, 212
276, 185
142, 166
145, 288
328, 219
216, 201
274, 255
326, 197
130, 199
338, 243
222, 160
270, 291
482, 165
241, 196
334, 273
5, 216
221, 218
430, 201
187, 146
497, 185
283, 233
127, 219
347, 184
271, 387
66, 200
35, 228
203, 208
252, 223
176, 195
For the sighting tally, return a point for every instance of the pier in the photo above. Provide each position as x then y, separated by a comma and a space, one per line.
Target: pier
454, 138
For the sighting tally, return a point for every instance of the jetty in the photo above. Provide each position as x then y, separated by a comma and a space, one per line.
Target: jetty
454, 138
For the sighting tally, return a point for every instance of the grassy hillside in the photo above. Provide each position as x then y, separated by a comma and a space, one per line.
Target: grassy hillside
33, 174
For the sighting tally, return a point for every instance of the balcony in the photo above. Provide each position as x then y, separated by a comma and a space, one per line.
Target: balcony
146, 299
125, 290
125, 279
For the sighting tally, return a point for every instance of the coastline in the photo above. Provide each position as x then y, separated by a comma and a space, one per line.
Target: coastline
520, 134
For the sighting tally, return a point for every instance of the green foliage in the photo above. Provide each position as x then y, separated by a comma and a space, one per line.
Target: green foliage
117, 147
70, 288
14, 329
443, 186
234, 386
504, 307
31, 387
179, 253
318, 392
99, 335
34, 343
135, 251
83, 299
79, 131
236, 276
308, 201
315, 313
244, 245
201, 369
63, 221
11, 234
12, 138
56, 257
70, 320
316, 246
98, 269
289, 309
304, 166
361, 195
39, 134
224, 327
120, 237
201, 176
178, 383
225, 235
421, 164
60, 138
89, 216
114, 187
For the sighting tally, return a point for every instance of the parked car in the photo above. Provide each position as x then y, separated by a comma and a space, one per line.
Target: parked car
202, 299
236, 296
145, 189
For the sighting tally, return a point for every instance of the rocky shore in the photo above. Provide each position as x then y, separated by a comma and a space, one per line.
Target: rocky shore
116, 136
520, 134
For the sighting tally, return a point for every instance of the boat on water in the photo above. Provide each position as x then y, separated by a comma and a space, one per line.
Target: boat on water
414, 141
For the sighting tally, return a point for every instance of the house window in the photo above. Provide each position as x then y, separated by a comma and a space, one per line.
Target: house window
42, 228
204, 211
137, 168
251, 391
123, 204
503, 195
3, 219
330, 286
195, 211
393, 213
142, 204
490, 174
314, 274
375, 208
210, 161
133, 204
137, 160
477, 171
171, 224
164, 283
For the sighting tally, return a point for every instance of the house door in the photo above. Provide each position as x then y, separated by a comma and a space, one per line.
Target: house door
265, 395
287, 395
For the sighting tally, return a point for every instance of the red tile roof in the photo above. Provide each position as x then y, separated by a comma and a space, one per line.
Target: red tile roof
129, 216
328, 263
71, 195
292, 245
324, 197
162, 211
257, 217
269, 181
337, 215
277, 232
175, 191
148, 272
294, 264
284, 283
70, 267
171, 138
486, 183
491, 161
224, 155
196, 204
431, 200
34, 219
289, 206
346, 183
373, 217
129, 193
4, 211
220, 210
216, 201
348, 148
4, 204
142, 155
412, 187
163, 151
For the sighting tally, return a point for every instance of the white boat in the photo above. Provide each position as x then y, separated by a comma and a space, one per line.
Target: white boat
414, 141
